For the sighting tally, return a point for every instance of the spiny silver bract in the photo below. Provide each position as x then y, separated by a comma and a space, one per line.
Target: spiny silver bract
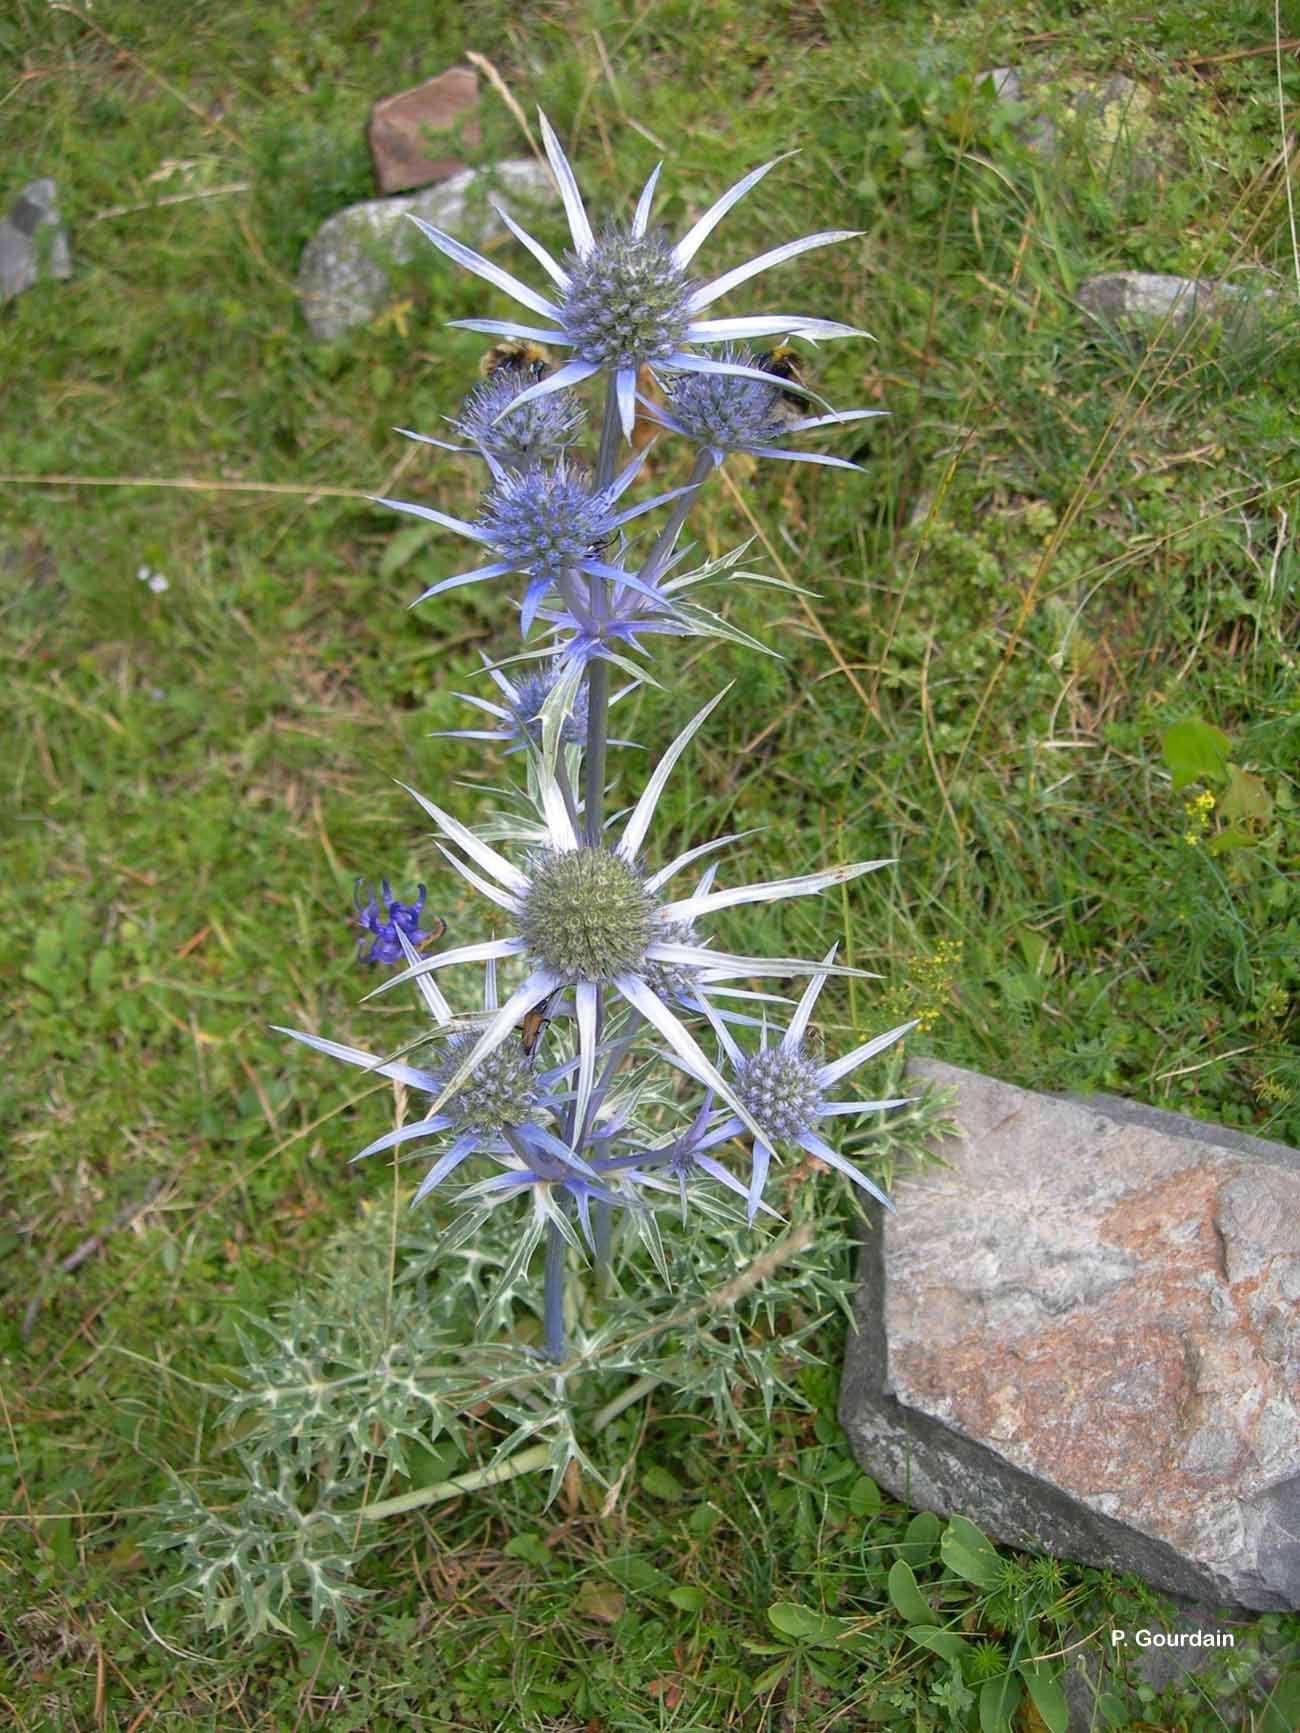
782, 1090
586, 914
626, 303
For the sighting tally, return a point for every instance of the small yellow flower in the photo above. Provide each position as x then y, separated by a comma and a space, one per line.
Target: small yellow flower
1197, 811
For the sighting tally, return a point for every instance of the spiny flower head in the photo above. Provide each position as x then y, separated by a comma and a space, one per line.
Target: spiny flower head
529, 694
386, 947
674, 982
782, 1091
586, 914
501, 1091
726, 412
745, 407
546, 521
622, 299
626, 304
588, 917
785, 1092
518, 713
523, 435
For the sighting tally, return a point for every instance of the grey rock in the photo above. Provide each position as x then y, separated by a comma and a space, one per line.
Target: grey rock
33, 242
1134, 298
342, 281
1082, 1332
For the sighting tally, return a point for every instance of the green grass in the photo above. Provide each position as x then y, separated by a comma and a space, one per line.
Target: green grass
1063, 544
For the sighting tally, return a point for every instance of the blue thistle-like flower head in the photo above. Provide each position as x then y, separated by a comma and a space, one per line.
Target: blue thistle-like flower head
726, 412
627, 300
527, 696
674, 983
546, 521
531, 433
586, 914
385, 946
782, 1090
501, 1092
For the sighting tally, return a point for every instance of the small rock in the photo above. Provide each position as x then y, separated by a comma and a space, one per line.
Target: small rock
341, 279
1082, 1333
399, 125
1006, 83
1122, 298
33, 243
1115, 117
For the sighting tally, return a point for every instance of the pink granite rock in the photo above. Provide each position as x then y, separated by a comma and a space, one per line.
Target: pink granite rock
1085, 1335
400, 125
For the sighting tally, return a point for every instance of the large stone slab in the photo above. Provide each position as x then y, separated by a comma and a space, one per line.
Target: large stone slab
1083, 1333
342, 280
400, 126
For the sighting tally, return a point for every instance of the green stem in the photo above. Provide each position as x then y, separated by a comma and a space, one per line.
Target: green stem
473, 1481
635, 1391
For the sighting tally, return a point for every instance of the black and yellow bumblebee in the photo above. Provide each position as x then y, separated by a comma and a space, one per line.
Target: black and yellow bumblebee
784, 362
517, 356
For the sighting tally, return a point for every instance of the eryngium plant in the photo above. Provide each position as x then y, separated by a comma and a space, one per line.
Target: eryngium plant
613, 1067
608, 969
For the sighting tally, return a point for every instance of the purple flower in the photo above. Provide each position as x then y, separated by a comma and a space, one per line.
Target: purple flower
549, 522
386, 946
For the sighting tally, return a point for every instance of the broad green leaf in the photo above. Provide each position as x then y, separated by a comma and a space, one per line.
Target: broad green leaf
949, 1644
1195, 751
969, 1554
918, 1542
661, 1484
600, 1601
864, 1499
804, 1624
1045, 1693
906, 1597
531, 1548
998, 1700
1245, 798
1223, 840
688, 1599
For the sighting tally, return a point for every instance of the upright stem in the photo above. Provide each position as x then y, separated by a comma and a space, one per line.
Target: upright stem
593, 767
603, 1233
553, 1294
657, 558
610, 433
